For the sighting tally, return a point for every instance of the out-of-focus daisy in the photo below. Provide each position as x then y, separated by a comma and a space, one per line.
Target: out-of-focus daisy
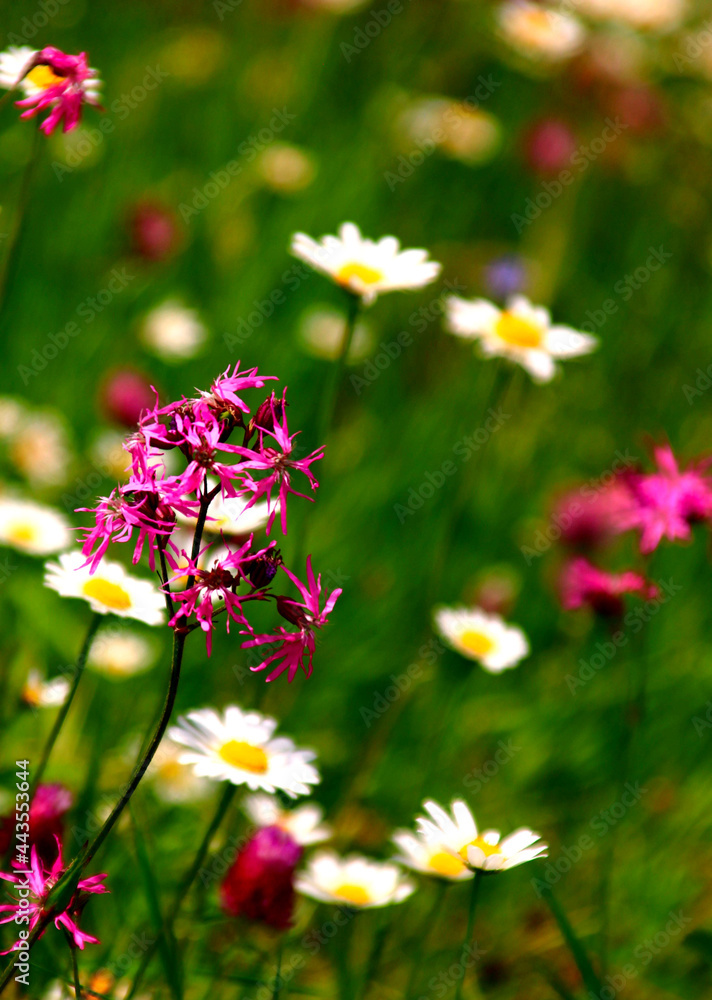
457, 833
39, 693
39, 450
238, 746
172, 781
322, 331
286, 168
460, 130
120, 653
53, 81
364, 267
173, 332
227, 516
521, 332
353, 881
657, 15
33, 528
482, 637
539, 32
303, 824
425, 855
108, 454
11, 414
109, 591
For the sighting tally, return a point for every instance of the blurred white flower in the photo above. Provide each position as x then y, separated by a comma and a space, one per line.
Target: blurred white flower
656, 15
521, 332
457, 128
33, 528
426, 855
173, 332
364, 267
321, 333
40, 451
286, 168
483, 637
40, 693
172, 781
353, 881
119, 653
303, 823
540, 32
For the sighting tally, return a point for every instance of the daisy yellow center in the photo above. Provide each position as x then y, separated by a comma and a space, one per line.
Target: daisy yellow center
487, 849
110, 594
517, 331
245, 756
352, 893
445, 864
21, 533
538, 20
361, 272
476, 643
43, 77
32, 693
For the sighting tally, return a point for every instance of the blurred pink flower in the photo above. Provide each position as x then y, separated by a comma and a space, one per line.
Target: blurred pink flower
260, 884
47, 811
40, 880
664, 504
549, 145
124, 395
155, 231
588, 518
582, 583
66, 85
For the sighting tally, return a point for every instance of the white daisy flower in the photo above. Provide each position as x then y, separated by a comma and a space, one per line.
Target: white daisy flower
363, 267
483, 637
173, 332
657, 15
40, 693
303, 824
425, 855
33, 528
109, 591
539, 32
120, 653
457, 833
172, 781
39, 450
353, 881
520, 332
238, 747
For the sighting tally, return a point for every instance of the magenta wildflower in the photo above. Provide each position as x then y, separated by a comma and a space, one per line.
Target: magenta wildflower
296, 649
47, 811
278, 462
664, 504
64, 84
260, 884
583, 584
38, 881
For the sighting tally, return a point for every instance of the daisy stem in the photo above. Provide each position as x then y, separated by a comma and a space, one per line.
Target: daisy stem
328, 399
424, 936
278, 969
468, 932
583, 962
23, 202
186, 884
374, 959
64, 710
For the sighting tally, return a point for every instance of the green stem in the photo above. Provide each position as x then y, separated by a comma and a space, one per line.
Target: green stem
590, 979
75, 966
374, 959
186, 883
424, 938
468, 932
23, 202
328, 399
278, 970
64, 710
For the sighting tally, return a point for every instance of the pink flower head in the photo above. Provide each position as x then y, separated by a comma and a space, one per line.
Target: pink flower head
226, 387
200, 436
588, 519
39, 881
582, 583
277, 462
215, 585
260, 884
665, 503
296, 649
65, 85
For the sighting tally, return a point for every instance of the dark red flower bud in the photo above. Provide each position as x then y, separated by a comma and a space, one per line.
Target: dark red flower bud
125, 394
260, 884
549, 146
264, 568
154, 230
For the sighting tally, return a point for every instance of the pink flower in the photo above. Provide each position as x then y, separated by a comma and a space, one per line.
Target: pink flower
589, 519
260, 884
67, 83
200, 436
226, 387
296, 649
40, 881
276, 461
665, 503
47, 810
582, 583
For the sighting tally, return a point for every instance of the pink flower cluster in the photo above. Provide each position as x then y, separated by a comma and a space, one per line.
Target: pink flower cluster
261, 467
663, 504
35, 886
